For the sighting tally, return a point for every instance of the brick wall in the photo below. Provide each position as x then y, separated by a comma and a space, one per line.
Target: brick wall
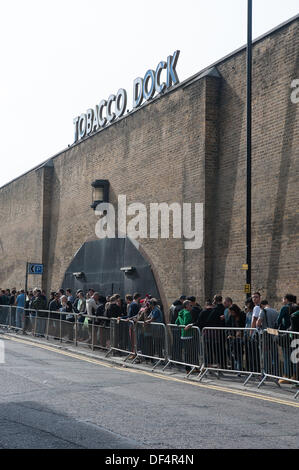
187, 146
21, 213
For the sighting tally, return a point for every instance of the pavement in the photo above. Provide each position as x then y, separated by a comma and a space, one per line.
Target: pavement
61, 397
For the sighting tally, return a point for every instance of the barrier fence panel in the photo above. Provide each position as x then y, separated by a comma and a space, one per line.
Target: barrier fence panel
30, 321
100, 333
232, 349
67, 327
269, 353
54, 326
122, 337
36, 322
50, 324
151, 342
280, 356
5, 315
18, 317
12, 316
93, 331
184, 347
28, 327
82, 330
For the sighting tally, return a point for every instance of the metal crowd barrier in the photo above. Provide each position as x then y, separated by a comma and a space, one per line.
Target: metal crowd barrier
101, 328
122, 337
235, 350
151, 342
71, 327
5, 314
280, 358
93, 330
268, 354
59, 325
184, 347
12, 316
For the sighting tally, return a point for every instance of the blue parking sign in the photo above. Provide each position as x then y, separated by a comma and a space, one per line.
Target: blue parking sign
34, 268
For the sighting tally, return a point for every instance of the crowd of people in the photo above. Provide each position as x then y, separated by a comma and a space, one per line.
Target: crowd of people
219, 312
238, 345
90, 305
186, 312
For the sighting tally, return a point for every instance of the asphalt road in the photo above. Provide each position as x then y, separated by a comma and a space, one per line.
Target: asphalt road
52, 400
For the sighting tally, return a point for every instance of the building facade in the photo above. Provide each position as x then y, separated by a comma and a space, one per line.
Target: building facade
187, 145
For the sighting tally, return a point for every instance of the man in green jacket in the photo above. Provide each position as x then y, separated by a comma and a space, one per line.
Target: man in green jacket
185, 318
189, 345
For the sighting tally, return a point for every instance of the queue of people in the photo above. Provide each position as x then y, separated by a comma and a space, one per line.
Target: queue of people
91, 307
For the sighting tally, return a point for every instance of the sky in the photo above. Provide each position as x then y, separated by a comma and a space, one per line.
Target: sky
61, 57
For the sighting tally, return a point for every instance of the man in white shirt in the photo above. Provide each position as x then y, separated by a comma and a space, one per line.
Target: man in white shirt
92, 304
91, 308
256, 298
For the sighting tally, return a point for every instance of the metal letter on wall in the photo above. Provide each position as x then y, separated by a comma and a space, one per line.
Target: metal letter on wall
172, 76
137, 92
95, 123
160, 86
75, 121
110, 114
120, 102
94, 119
89, 120
102, 120
148, 92
82, 126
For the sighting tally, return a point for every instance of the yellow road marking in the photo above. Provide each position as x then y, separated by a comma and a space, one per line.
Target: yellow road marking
155, 375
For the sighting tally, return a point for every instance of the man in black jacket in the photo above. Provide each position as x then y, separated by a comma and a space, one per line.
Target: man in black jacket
203, 316
54, 306
54, 326
214, 319
114, 310
196, 308
295, 318
175, 308
40, 304
216, 339
4, 300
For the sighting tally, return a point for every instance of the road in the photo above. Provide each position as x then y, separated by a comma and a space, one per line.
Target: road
54, 399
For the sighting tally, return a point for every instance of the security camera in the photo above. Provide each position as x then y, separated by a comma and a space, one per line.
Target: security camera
128, 269
79, 275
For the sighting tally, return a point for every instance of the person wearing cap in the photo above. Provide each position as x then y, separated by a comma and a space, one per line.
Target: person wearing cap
146, 298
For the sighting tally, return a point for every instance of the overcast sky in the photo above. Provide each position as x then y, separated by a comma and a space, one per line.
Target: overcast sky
60, 57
